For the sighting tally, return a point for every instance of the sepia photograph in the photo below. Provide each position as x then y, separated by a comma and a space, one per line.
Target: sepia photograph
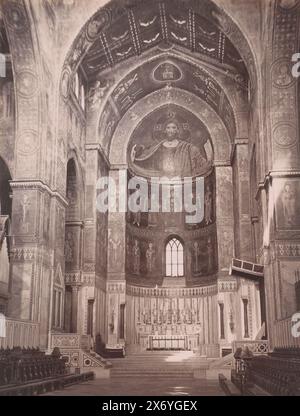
149, 201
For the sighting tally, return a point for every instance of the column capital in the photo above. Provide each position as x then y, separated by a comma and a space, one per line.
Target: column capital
92, 147
115, 167
75, 289
75, 224
241, 141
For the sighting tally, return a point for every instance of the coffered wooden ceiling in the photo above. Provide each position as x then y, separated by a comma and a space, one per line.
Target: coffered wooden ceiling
144, 26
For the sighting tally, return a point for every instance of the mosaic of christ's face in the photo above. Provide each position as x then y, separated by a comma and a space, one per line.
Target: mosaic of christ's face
172, 130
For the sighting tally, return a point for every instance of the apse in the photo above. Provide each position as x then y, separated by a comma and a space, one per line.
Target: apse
159, 100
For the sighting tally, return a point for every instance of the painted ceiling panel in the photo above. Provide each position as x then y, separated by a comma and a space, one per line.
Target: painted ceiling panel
138, 29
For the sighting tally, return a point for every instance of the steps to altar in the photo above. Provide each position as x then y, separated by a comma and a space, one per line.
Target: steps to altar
181, 364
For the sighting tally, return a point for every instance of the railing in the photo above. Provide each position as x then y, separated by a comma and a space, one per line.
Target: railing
19, 333
256, 347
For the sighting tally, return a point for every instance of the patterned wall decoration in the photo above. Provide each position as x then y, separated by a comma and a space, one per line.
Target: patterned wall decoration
175, 72
27, 80
283, 89
287, 249
145, 224
146, 240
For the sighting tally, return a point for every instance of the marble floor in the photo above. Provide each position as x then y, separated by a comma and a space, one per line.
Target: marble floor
143, 387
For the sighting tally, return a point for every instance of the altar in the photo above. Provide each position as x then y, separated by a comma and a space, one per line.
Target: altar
168, 342
168, 337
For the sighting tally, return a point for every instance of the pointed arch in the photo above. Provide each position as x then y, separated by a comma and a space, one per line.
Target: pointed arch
174, 252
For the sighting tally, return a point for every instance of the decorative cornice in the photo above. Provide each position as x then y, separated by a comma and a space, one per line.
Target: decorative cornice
276, 174
186, 233
227, 286
285, 173
288, 249
161, 292
88, 279
116, 287
73, 278
23, 254
37, 185
40, 253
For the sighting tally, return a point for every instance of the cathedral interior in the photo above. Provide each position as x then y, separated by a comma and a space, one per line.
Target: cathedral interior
150, 89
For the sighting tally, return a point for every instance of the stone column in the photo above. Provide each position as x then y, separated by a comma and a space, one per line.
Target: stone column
74, 309
36, 253
73, 243
115, 298
116, 260
95, 234
89, 237
282, 179
73, 266
25, 250
31, 255
224, 214
241, 192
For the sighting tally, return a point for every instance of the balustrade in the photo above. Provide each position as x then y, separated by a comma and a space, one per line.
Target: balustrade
256, 347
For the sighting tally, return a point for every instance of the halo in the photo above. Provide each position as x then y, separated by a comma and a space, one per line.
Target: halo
172, 118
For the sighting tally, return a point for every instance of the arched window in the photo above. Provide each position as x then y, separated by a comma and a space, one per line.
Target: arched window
174, 258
